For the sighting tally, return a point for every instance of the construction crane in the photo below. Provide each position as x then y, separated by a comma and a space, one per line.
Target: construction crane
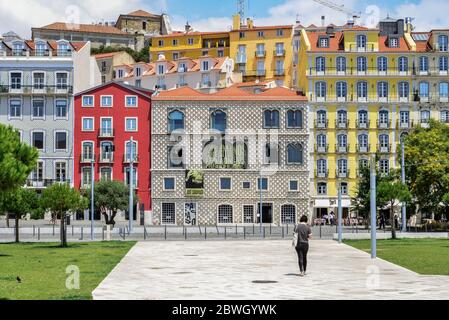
241, 10
341, 8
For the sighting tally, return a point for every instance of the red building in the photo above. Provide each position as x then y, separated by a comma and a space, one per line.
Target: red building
106, 118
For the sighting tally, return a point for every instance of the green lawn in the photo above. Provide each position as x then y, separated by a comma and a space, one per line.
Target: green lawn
42, 268
424, 256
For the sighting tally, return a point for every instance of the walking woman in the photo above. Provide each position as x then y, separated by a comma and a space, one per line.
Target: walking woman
304, 234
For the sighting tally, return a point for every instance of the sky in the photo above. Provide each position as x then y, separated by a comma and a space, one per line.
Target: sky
212, 15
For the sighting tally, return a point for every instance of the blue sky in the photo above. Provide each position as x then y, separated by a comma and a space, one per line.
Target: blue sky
208, 15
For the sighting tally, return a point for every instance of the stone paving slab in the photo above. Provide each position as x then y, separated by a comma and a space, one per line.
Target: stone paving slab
221, 270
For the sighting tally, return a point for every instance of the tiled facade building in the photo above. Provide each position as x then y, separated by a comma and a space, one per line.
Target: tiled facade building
203, 177
37, 83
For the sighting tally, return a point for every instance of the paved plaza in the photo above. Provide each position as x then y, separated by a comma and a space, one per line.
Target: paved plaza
255, 270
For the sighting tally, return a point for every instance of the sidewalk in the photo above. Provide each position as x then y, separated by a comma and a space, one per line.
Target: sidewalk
239, 270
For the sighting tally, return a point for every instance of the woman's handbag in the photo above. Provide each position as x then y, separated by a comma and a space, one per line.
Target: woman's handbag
295, 239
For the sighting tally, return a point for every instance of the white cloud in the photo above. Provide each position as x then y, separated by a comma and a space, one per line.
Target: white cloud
428, 14
21, 15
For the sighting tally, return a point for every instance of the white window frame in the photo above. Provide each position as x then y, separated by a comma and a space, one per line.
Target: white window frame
219, 184
55, 116
66, 140
174, 214
289, 185
258, 185
137, 124
100, 173
105, 96
87, 106
130, 106
43, 138
174, 184
10, 81
82, 124
33, 83
10, 117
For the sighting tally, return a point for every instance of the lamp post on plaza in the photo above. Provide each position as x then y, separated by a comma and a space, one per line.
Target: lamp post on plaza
92, 206
373, 208
131, 184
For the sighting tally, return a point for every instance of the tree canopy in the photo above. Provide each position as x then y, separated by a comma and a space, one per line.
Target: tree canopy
139, 56
17, 159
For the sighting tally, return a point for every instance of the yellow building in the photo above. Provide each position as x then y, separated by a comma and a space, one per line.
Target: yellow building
360, 85
190, 44
262, 52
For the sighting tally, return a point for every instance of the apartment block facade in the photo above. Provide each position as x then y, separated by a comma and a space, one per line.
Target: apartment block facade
205, 73
37, 82
367, 88
215, 156
112, 127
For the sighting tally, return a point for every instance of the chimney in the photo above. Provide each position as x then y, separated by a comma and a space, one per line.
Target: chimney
249, 23
408, 25
188, 28
323, 21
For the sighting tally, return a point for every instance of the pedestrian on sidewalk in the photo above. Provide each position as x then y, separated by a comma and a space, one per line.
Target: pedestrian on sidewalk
303, 233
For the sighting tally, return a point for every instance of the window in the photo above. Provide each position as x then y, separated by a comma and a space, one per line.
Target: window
280, 49
341, 64
403, 64
16, 80
384, 166
324, 42
106, 129
363, 141
135, 183
175, 121
321, 117
37, 140
169, 184
293, 185
321, 141
131, 124
88, 124
383, 117
361, 41
362, 90
106, 174
344, 188
246, 185
138, 83
38, 80
175, 56
175, 42
425, 116
220, 53
88, 101
61, 109
394, 42
87, 151
262, 182
248, 214
225, 183
168, 213
404, 117
288, 214
363, 117
279, 32
320, 64
294, 153
363, 163
38, 108
423, 64
175, 157
443, 64
40, 49
61, 81
321, 166
403, 89
294, 119
444, 89
361, 64
131, 151
241, 35
322, 188
382, 64
424, 89
341, 89
384, 141
86, 177
382, 89
218, 121
106, 101
107, 151
205, 65
190, 41
342, 167
15, 108
160, 43
271, 119
342, 118
225, 214
38, 173
131, 101
63, 49
260, 34
443, 43
320, 89
121, 73
342, 141
445, 116
61, 140
61, 171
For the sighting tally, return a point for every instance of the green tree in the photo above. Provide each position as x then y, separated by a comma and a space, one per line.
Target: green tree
139, 56
392, 194
17, 160
427, 166
18, 202
109, 198
61, 200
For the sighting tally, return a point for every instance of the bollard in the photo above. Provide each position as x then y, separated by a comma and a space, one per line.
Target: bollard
236, 231
53, 229
82, 233
320, 231
270, 229
225, 232
205, 233
144, 233
244, 232
264, 232
165, 232
102, 231
283, 232
38, 233
34, 232
72, 230
287, 229
185, 234
253, 228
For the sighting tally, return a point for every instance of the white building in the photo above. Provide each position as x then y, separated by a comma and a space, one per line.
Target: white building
38, 80
207, 74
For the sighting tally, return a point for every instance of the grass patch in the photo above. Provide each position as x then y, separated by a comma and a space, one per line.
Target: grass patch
424, 256
42, 269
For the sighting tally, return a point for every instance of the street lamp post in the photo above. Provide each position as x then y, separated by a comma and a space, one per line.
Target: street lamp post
373, 208
404, 205
131, 184
92, 207
261, 205
340, 216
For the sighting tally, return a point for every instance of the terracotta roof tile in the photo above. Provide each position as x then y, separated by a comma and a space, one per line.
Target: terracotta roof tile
62, 26
141, 13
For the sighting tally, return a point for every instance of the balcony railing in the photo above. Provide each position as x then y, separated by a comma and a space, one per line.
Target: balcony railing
321, 174
354, 71
319, 124
106, 133
241, 58
106, 158
261, 72
36, 53
341, 149
383, 124
342, 174
363, 148
127, 159
44, 183
322, 149
36, 89
354, 98
362, 124
87, 158
383, 148
279, 72
342, 124
279, 53
261, 54
405, 125
369, 47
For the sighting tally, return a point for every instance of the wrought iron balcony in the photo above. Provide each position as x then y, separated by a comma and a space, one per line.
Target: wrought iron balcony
106, 133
